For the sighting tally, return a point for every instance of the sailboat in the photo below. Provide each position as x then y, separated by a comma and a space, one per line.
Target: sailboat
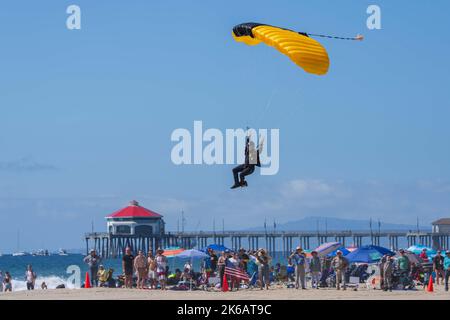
19, 253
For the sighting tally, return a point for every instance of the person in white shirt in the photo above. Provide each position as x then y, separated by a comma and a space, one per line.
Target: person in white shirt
30, 276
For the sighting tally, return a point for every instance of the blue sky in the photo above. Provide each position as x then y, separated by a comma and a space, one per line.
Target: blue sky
86, 115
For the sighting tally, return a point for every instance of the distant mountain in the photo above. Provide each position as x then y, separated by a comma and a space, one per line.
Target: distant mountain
336, 224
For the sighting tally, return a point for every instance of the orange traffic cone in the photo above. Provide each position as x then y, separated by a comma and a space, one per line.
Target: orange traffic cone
225, 284
430, 284
87, 281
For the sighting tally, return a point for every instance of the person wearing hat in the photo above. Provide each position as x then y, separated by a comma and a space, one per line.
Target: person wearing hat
404, 266
298, 257
93, 261
102, 275
423, 255
340, 265
161, 264
315, 267
447, 268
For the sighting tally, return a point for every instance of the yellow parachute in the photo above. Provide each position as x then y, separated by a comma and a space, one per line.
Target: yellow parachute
304, 51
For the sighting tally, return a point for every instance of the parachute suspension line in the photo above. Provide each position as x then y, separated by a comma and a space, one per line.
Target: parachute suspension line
359, 37
268, 105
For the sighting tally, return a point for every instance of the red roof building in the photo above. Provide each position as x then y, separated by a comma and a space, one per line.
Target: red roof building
135, 220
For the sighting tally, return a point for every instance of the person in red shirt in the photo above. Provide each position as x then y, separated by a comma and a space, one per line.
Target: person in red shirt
424, 255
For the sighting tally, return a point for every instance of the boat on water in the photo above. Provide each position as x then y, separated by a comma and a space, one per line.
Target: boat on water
20, 254
41, 253
62, 252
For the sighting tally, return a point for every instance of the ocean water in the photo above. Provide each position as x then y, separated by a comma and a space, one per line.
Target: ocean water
55, 270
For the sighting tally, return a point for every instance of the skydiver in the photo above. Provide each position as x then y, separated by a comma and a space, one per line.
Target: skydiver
251, 160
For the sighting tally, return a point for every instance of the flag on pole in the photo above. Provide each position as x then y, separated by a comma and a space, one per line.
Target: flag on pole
232, 271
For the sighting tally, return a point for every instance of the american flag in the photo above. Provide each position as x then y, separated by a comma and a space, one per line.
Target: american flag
231, 270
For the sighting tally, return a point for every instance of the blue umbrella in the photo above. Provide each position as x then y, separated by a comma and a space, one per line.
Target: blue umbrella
368, 254
191, 254
217, 248
344, 250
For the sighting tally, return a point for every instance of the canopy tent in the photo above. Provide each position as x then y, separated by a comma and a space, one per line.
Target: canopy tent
368, 254
327, 248
216, 248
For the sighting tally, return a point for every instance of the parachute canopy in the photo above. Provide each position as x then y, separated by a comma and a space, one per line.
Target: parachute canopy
304, 51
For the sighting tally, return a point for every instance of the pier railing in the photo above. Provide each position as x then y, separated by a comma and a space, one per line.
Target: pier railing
114, 244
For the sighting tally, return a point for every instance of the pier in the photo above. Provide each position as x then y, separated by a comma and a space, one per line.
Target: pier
113, 245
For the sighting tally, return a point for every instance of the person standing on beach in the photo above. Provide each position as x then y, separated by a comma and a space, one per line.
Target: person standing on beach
438, 267
315, 267
221, 262
340, 265
326, 268
446, 268
388, 270
7, 282
299, 260
93, 260
140, 265
263, 268
30, 277
161, 264
404, 266
151, 263
1, 281
127, 267
381, 268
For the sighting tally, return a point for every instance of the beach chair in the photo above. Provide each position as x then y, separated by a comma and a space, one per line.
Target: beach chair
353, 282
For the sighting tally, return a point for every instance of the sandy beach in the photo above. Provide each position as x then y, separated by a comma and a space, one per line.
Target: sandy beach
272, 294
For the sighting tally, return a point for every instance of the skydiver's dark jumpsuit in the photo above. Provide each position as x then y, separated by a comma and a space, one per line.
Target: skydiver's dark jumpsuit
247, 168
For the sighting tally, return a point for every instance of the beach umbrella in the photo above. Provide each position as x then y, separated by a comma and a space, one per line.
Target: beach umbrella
417, 249
172, 251
368, 254
217, 248
191, 254
327, 248
344, 250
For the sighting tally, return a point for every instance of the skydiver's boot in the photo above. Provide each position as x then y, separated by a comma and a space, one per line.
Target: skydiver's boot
243, 183
235, 186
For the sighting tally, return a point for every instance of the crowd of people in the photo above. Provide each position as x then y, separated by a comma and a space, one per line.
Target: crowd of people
408, 273
152, 271
302, 271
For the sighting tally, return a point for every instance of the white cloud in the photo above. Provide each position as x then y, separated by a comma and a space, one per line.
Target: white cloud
25, 164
